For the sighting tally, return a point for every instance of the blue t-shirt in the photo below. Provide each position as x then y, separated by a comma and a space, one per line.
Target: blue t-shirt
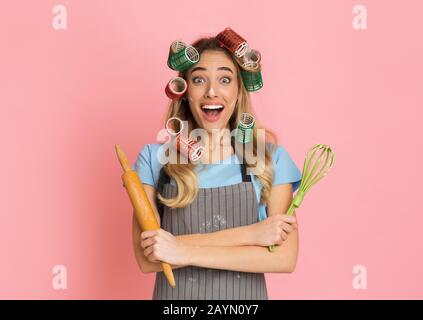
219, 174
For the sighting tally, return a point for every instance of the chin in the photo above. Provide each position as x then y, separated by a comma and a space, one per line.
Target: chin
214, 126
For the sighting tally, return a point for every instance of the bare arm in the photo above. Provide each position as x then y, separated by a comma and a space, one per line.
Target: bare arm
254, 258
163, 246
230, 237
239, 236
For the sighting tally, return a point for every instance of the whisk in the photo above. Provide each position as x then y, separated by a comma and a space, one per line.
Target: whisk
314, 169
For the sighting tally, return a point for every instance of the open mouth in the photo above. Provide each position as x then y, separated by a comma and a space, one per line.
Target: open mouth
212, 110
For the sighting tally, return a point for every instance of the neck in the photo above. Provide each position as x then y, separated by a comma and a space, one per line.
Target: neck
218, 146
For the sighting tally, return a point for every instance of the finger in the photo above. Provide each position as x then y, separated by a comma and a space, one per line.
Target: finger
153, 255
152, 258
284, 236
289, 219
280, 240
277, 241
148, 234
148, 251
148, 242
287, 228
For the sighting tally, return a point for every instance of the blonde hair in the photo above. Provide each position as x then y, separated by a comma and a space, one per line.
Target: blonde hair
184, 173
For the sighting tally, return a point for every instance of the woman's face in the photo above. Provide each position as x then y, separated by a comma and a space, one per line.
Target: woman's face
212, 90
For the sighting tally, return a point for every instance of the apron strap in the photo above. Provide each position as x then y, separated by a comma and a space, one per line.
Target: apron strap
245, 177
163, 179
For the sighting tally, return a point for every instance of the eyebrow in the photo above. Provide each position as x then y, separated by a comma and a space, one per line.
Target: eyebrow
205, 69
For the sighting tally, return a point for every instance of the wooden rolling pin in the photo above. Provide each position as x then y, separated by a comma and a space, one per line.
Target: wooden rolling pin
143, 210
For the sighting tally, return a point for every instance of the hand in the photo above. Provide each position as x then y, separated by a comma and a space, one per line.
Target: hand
273, 230
162, 246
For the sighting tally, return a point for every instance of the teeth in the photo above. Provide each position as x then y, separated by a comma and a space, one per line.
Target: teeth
212, 107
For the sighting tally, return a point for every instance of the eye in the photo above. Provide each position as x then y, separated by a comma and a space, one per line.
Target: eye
226, 80
197, 80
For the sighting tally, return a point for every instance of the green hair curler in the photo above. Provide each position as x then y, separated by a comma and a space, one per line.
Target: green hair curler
245, 130
251, 77
311, 174
175, 47
184, 59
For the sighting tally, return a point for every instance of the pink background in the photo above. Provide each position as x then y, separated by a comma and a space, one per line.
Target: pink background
68, 96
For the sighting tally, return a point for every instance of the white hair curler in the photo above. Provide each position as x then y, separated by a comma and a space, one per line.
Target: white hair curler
186, 146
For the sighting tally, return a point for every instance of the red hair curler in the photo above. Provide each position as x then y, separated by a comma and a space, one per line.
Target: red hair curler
233, 42
176, 88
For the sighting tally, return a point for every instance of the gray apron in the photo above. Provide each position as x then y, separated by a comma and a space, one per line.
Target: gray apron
212, 210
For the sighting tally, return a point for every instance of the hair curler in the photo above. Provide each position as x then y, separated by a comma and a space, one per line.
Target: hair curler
314, 170
186, 146
250, 60
251, 77
245, 130
175, 47
176, 88
143, 210
184, 59
231, 40
253, 55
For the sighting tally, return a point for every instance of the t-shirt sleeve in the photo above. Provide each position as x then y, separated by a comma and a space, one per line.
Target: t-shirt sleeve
144, 166
286, 171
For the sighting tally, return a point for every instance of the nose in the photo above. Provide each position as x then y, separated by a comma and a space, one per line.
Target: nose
211, 91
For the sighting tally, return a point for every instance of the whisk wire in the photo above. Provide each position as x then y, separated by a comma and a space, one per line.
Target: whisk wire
314, 175
325, 168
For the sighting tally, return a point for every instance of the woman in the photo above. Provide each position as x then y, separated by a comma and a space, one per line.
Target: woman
210, 229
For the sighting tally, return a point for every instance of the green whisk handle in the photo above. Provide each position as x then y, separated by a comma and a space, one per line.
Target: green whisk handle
294, 204
271, 248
